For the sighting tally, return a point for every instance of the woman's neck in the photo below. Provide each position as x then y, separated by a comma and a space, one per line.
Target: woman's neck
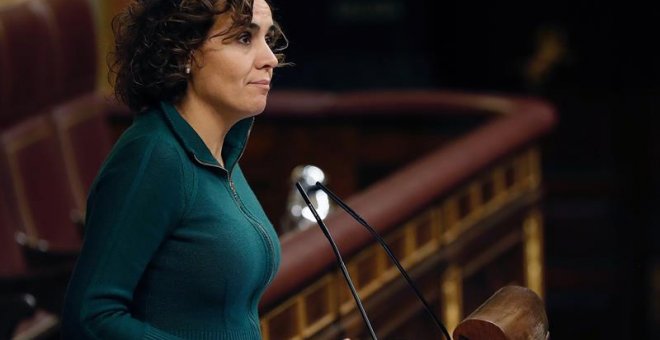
209, 124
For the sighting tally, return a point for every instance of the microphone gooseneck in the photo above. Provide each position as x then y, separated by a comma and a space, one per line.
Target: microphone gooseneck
342, 265
387, 249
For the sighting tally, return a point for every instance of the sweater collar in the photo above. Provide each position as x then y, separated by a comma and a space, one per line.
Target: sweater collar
232, 148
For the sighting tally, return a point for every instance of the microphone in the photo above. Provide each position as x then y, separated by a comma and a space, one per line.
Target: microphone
387, 249
342, 265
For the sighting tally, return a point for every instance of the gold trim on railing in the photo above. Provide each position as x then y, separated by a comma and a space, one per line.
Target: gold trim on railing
365, 271
312, 309
449, 211
452, 297
533, 243
425, 234
415, 241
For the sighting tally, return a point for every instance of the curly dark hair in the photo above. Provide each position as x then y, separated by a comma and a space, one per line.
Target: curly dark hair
154, 40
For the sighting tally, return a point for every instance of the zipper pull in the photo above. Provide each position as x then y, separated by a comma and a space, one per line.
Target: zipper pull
233, 188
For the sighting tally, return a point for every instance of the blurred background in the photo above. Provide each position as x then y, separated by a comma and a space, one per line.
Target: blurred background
595, 63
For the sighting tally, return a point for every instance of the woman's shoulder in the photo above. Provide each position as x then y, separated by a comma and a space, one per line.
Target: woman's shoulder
147, 161
149, 129
147, 145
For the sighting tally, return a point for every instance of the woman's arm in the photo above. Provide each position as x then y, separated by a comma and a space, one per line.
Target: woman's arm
135, 203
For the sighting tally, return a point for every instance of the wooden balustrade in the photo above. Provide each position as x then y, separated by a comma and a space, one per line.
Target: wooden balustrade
464, 220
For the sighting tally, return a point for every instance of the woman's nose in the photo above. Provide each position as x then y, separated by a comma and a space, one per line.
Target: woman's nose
266, 57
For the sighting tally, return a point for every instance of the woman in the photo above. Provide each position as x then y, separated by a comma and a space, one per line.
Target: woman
176, 244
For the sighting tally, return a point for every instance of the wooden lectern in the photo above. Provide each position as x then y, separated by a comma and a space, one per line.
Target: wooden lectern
512, 313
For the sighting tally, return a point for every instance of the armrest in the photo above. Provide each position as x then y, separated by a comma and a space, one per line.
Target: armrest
511, 313
41, 254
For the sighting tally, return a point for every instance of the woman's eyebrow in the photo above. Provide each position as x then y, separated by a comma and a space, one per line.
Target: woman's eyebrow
253, 26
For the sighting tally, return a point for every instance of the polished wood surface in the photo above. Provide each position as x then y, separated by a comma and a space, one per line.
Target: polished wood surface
513, 313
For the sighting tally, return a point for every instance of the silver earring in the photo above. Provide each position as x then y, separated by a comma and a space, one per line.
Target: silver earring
188, 69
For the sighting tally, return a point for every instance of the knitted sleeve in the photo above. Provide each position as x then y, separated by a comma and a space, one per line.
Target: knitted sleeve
135, 202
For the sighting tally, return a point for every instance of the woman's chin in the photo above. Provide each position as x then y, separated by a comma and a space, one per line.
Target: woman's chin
258, 108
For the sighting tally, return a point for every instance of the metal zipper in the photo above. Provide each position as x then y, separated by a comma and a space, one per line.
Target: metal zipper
260, 230
259, 227
247, 136
264, 236
209, 164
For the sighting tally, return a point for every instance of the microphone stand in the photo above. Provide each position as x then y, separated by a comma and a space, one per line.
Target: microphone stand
339, 259
387, 250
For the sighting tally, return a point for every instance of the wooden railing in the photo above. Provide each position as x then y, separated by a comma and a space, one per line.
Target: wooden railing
511, 313
464, 219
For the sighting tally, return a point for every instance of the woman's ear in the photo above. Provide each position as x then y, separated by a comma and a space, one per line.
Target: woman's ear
191, 62
194, 60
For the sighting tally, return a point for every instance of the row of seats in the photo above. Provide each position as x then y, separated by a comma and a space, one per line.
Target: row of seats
53, 138
48, 55
47, 163
54, 155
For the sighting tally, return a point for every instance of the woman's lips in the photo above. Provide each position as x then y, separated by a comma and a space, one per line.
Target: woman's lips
264, 83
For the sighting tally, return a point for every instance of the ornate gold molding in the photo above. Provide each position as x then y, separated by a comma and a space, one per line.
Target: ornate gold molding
533, 245
452, 297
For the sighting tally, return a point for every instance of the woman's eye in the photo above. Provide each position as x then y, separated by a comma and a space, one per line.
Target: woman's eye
245, 38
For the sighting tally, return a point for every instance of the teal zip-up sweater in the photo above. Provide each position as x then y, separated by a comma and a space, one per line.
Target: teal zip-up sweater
175, 246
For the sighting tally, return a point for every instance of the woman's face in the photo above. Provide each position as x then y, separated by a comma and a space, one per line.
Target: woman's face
233, 76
